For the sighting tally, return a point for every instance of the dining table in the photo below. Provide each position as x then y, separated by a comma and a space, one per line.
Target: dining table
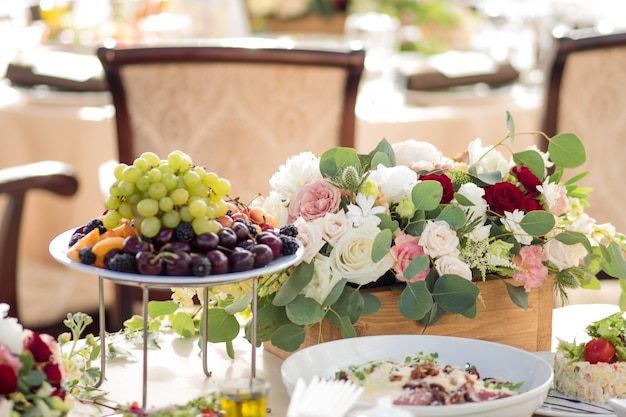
175, 372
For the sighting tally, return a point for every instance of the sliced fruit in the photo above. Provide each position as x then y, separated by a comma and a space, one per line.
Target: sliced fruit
90, 239
103, 247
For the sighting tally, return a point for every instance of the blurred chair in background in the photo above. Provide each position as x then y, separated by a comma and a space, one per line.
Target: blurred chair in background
238, 107
587, 96
39, 297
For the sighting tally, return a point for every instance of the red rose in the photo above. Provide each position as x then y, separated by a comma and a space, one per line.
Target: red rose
527, 178
446, 184
8, 380
531, 204
504, 196
40, 350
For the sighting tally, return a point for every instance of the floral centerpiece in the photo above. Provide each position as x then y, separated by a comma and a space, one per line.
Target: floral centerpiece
407, 216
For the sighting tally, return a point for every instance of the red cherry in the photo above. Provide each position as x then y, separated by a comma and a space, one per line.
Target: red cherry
599, 350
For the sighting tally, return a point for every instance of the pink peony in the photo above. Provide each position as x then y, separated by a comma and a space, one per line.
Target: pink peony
531, 270
406, 248
316, 198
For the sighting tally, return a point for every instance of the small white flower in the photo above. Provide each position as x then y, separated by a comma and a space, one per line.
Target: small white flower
394, 182
183, 296
480, 233
310, 235
550, 192
511, 222
364, 210
438, 239
474, 194
486, 159
449, 264
297, 170
323, 281
11, 331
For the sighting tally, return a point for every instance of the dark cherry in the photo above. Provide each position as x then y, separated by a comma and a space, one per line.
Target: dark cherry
164, 236
273, 241
241, 230
148, 263
177, 263
176, 247
219, 262
228, 238
240, 260
205, 242
135, 244
246, 243
262, 254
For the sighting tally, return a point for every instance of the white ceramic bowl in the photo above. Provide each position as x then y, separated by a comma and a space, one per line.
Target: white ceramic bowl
491, 360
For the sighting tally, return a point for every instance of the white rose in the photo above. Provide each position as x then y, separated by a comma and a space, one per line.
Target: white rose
564, 256
438, 239
310, 235
412, 151
324, 279
474, 194
486, 159
6, 407
453, 265
334, 226
11, 332
394, 182
294, 173
274, 205
352, 256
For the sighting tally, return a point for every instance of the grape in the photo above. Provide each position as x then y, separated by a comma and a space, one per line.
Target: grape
222, 187
126, 210
169, 180
179, 161
197, 207
157, 190
142, 183
148, 207
117, 172
126, 188
152, 158
191, 178
112, 203
154, 175
179, 196
210, 179
171, 219
166, 169
199, 190
111, 219
219, 207
166, 204
142, 164
131, 173
185, 215
150, 226
201, 225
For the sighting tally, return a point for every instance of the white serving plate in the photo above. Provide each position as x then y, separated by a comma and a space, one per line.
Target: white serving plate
59, 247
491, 360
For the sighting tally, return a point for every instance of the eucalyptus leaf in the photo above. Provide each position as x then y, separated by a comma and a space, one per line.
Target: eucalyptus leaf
380, 158
381, 245
416, 266
426, 195
470, 313
371, 303
334, 160
518, 295
613, 261
453, 215
183, 324
335, 293
386, 222
454, 293
222, 326
385, 148
239, 305
347, 329
415, 300
268, 319
531, 159
592, 284
510, 125
298, 279
462, 200
571, 238
432, 316
161, 308
289, 337
567, 150
304, 310
350, 304
537, 222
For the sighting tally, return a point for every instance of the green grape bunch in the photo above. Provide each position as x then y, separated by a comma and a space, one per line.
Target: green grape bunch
158, 193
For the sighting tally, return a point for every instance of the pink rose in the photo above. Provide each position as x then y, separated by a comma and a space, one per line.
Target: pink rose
561, 202
9, 359
316, 198
531, 270
405, 249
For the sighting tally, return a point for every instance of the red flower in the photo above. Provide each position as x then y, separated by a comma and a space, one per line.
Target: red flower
40, 350
527, 178
531, 204
504, 196
8, 380
446, 183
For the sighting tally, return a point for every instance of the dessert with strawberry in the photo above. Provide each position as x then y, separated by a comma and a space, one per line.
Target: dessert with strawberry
594, 371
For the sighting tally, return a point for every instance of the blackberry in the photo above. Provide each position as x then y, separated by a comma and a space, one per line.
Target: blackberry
251, 228
184, 232
94, 224
122, 262
76, 236
86, 256
289, 230
201, 266
290, 244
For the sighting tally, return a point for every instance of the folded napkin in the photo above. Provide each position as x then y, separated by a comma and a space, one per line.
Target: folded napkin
323, 398
455, 69
59, 70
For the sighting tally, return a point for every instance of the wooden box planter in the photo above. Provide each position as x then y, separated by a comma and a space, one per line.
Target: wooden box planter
499, 320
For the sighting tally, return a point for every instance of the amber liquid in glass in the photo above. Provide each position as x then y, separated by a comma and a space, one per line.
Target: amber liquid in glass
244, 405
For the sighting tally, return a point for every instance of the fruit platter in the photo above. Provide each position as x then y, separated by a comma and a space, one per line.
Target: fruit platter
168, 222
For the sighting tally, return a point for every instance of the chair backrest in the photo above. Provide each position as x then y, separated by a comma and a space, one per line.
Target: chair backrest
587, 96
238, 107
15, 183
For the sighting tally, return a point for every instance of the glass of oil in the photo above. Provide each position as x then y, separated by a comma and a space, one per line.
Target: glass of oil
244, 397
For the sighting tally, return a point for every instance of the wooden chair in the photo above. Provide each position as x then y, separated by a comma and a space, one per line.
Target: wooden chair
238, 107
15, 184
586, 95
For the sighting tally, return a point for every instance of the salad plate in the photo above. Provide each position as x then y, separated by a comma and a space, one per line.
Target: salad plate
59, 250
490, 359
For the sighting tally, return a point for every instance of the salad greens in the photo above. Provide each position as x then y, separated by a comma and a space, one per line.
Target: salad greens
611, 328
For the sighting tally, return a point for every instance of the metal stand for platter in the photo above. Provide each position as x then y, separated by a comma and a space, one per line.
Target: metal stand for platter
204, 334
